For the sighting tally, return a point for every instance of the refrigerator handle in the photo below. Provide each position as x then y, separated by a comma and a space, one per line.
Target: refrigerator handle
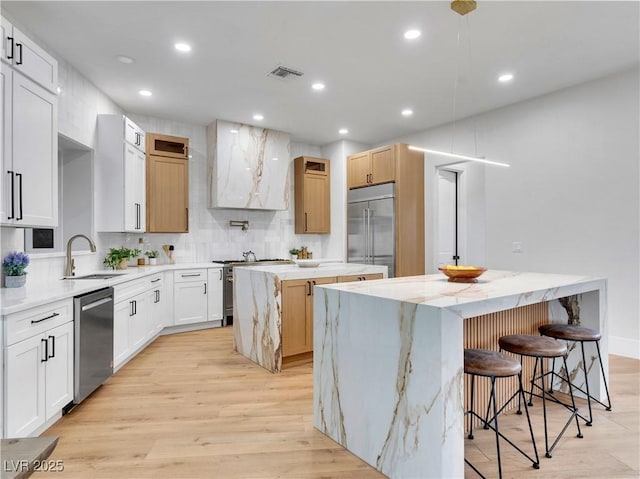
371, 235
368, 238
366, 233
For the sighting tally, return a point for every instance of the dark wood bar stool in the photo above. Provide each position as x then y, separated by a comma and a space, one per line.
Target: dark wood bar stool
578, 334
542, 348
491, 364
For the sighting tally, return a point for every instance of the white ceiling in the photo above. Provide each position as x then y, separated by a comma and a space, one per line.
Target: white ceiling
356, 48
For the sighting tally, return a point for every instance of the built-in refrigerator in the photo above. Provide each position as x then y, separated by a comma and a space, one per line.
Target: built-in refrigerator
371, 226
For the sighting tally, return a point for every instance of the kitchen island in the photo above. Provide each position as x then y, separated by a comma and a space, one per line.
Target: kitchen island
388, 358
273, 308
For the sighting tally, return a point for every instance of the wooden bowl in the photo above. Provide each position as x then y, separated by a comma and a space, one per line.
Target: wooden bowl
462, 274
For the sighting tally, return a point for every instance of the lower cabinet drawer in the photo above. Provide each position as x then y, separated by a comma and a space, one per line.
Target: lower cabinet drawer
28, 323
188, 275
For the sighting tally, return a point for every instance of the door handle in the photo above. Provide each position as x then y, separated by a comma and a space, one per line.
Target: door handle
10, 56
220, 275
131, 308
313, 283
46, 350
19, 176
308, 288
13, 212
44, 319
53, 347
19, 47
205, 288
305, 221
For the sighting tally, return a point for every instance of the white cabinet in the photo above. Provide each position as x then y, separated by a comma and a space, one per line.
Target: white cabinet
135, 316
29, 153
38, 361
25, 56
190, 296
214, 294
157, 300
120, 175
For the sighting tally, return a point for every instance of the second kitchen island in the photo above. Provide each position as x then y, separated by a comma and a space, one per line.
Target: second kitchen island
273, 308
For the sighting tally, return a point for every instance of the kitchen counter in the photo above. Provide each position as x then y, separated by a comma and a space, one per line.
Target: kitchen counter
36, 293
257, 301
388, 360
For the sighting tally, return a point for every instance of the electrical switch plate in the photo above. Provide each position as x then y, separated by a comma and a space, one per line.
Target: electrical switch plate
516, 247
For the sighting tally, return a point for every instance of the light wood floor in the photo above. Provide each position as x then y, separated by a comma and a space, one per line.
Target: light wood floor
189, 407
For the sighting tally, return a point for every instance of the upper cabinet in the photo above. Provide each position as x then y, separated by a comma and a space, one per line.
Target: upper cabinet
312, 200
120, 175
28, 58
248, 167
167, 184
29, 128
371, 167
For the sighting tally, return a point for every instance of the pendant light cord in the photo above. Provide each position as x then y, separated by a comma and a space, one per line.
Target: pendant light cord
471, 87
455, 86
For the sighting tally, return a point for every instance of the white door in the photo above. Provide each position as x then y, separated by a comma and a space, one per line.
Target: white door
215, 294
447, 236
6, 215
59, 369
190, 302
121, 347
131, 208
139, 322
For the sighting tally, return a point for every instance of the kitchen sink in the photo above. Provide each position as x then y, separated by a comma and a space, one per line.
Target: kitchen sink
95, 276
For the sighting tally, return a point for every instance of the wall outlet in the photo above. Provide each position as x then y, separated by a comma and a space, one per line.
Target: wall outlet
516, 247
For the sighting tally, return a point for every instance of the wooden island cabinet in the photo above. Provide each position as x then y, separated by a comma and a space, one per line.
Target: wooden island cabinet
167, 184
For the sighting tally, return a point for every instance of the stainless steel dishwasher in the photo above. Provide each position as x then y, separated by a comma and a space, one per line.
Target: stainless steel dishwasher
93, 355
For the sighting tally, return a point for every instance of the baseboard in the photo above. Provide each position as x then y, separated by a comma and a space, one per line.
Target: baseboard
629, 348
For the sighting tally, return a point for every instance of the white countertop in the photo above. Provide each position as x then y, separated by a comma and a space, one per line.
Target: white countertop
434, 289
293, 271
36, 293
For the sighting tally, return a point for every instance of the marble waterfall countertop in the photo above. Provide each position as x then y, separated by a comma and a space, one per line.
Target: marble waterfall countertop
257, 303
37, 291
388, 360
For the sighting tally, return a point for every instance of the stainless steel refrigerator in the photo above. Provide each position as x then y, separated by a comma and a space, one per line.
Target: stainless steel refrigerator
371, 226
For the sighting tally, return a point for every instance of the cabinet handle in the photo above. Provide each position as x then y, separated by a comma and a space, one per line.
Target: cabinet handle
19, 176
305, 221
132, 311
46, 350
157, 296
13, 213
10, 56
53, 347
19, 46
190, 275
308, 288
186, 219
205, 288
220, 275
155, 280
44, 319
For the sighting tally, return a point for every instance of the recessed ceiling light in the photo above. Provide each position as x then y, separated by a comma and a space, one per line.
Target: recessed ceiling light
343, 131
412, 34
274, 159
318, 86
234, 131
145, 93
183, 47
407, 112
125, 59
258, 117
505, 77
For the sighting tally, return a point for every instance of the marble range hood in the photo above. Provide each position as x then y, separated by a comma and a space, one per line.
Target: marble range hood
248, 167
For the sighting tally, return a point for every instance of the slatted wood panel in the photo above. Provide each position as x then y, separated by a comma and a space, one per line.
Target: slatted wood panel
483, 332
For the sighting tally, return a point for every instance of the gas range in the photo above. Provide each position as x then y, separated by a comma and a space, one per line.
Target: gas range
239, 262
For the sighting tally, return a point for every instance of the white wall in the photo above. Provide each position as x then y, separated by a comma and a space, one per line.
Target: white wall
571, 195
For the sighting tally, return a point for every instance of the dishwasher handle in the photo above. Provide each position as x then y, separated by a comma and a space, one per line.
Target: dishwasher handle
95, 304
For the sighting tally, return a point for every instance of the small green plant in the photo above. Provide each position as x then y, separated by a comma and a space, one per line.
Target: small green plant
15, 263
117, 255
294, 251
152, 254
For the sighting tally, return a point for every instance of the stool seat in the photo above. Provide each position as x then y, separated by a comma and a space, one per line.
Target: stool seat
535, 346
482, 362
569, 332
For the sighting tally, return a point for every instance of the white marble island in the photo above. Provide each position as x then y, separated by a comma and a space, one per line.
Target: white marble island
260, 312
388, 359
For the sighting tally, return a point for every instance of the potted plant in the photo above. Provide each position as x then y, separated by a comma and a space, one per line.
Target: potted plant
294, 253
14, 265
118, 258
153, 256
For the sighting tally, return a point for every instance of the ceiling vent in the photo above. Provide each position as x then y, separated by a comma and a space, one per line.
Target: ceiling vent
283, 73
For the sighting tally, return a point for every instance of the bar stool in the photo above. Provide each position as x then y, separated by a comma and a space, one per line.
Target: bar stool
578, 334
491, 364
542, 348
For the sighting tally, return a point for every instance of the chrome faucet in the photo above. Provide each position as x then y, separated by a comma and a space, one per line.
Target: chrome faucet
69, 271
247, 256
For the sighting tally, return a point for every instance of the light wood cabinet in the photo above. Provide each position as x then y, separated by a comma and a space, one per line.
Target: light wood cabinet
359, 277
398, 164
371, 167
312, 195
297, 315
167, 184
